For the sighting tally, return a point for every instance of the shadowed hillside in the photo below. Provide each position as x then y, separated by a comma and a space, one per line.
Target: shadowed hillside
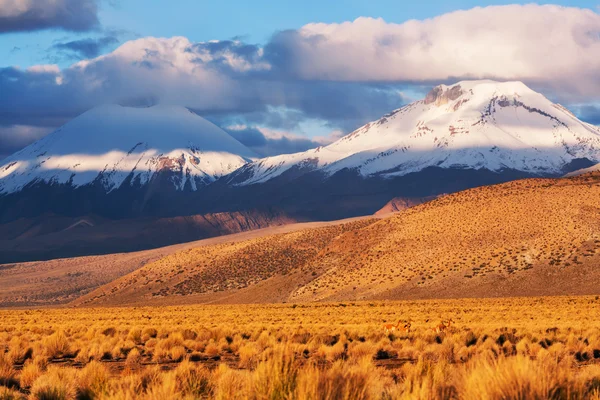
51, 237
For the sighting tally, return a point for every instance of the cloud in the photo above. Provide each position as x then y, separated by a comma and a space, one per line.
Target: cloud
33, 15
553, 45
84, 48
15, 137
210, 78
268, 142
343, 74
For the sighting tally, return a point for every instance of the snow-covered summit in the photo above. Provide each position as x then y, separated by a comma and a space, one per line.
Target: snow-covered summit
113, 145
472, 124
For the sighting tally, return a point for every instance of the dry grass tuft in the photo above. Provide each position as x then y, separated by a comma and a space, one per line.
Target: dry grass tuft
55, 384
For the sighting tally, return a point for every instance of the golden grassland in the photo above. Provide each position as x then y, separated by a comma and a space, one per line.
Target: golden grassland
514, 348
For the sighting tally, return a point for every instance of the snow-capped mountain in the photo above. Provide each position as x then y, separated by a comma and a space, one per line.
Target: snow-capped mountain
122, 162
112, 146
480, 125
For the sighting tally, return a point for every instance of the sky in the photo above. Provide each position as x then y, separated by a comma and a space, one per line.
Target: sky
282, 76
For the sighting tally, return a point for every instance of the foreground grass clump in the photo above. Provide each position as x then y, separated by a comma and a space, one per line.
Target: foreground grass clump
535, 348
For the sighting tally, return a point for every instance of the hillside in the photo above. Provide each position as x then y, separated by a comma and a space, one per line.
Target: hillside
528, 237
50, 236
60, 281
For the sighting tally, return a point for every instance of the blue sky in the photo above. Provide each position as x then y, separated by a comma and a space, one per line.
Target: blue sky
282, 76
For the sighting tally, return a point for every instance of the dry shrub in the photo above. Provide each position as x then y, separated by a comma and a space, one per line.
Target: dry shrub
55, 384
344, 380
57, 345
109, 332
136, 385
7, 372
230, 384
277, 376
92, 381
177, 353
249, 355
427, 380
133, 358
160, 355
192, 380
31, 371
523, 378
9, 394
163, 388
174, 339
189, 334
19, 351
360, 350
211, 349
135, 335
150, 332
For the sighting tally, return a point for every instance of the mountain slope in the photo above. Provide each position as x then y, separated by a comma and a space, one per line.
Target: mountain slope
52, 237
470, 125
528, 237
113, 146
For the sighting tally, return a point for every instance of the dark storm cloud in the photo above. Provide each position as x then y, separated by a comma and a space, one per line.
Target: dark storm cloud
250, 137
33, 98
220, 53
33, 15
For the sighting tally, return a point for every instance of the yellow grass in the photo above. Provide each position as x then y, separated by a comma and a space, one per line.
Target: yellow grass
517, 348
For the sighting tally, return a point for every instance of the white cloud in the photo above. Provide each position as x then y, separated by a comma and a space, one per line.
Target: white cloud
548, 44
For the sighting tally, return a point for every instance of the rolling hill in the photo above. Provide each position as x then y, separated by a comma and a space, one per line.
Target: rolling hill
528, 237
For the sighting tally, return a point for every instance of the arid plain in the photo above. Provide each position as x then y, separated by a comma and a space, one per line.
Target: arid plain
518, 348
